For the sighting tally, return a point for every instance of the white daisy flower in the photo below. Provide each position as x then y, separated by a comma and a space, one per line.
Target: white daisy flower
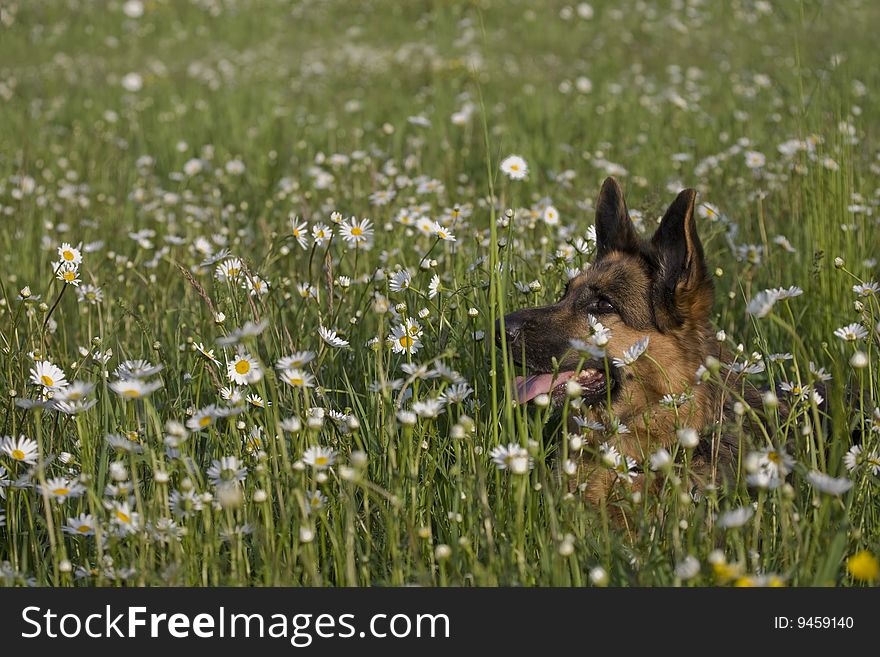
514, 167
331, 338
428, 408
357, 233
132, 82
754, 159
512, 457
68, 273
61, 488
402, 342
827, 484
226, 470
632, 354
456, 393
320, 458
21, 449
851, 332
442, 232
400, 281
123, 519
688, 568
137, 369
244, 369
660, 460
300, 232
434, 286
297, 378
321, 234
82, 525
90, 294
134, 388
735, 517
206, 352
204, 418
48, 375
229, 271
69, 254
296, 360
867, 289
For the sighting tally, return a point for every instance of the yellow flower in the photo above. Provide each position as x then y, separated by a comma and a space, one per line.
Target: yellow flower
863, 566
726, 572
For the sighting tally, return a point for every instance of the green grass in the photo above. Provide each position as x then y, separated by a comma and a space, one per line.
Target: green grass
676, 89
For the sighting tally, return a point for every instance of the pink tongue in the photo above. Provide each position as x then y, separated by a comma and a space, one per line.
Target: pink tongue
533, 385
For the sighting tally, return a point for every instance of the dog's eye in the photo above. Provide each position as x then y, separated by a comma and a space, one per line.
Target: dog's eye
604, 306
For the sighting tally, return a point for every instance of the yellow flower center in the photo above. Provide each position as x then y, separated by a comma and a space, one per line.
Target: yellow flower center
242, 367
514, 167
356, 231
131, 393
405, 341
82, 529
205, 421
18, 455
774, 457
298, 381
47, 380
69, 276
123, 517
321, 460
61, 491
68, 255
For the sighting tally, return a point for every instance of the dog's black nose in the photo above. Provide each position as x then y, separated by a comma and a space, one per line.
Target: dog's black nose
512, 327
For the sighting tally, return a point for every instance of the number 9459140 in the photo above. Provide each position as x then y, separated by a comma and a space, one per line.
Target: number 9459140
824, 622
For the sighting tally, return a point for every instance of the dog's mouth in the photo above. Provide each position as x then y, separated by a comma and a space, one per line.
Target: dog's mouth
592, 381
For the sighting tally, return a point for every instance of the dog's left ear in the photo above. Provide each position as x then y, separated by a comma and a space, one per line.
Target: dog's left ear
683, 266
614, 228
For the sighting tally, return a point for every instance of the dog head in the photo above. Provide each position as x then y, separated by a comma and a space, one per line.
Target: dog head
657, 288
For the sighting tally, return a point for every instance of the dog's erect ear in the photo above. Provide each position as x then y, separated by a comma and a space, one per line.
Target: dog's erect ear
677, 242
614, 228
684, 281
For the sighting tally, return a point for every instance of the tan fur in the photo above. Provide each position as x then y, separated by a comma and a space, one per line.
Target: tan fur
661, 289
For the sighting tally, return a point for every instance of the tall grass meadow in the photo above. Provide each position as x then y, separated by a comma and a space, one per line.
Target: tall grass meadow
252, 255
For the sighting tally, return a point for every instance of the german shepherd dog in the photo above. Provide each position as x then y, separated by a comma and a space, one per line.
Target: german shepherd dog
659, 288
